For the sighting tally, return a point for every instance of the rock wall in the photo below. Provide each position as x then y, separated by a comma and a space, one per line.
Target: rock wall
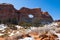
7, 11
34, 13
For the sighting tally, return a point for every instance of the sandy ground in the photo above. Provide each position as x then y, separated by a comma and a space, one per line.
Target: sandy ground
2, 38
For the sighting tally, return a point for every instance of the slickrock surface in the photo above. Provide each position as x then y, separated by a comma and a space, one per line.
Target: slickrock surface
1, 39
47, 32
32, 35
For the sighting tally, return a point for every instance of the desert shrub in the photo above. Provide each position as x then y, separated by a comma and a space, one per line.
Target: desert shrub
57, 30
25, 24
11, 26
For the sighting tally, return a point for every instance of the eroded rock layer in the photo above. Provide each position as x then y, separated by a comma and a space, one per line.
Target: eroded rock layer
8, 12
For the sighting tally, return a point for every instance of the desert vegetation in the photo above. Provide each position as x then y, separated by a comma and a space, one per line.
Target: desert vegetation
16, 32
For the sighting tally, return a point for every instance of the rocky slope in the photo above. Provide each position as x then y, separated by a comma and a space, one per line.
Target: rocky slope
47, 32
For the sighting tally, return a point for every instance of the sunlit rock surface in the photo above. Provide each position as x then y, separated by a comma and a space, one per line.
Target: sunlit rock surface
32, 33
8, 13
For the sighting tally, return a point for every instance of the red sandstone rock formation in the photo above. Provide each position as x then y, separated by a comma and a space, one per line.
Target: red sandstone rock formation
7, 11
37, 13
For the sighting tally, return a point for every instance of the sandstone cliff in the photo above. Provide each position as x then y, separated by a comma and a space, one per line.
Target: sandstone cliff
35, 13
8, 12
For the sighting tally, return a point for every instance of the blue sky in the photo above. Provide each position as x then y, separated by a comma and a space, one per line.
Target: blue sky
51, 6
